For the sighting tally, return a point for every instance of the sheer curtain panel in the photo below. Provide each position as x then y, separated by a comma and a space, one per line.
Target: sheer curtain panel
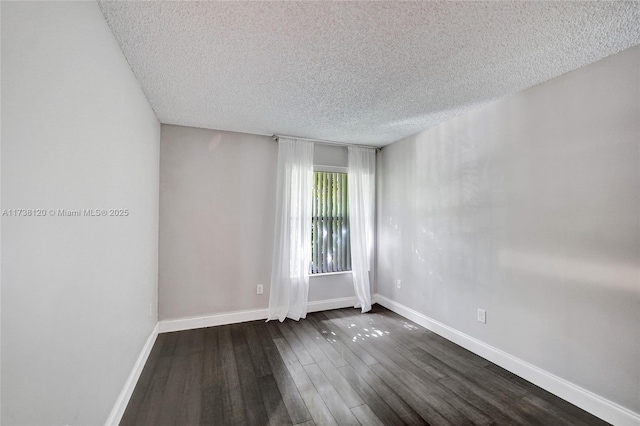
361, 182
292, 240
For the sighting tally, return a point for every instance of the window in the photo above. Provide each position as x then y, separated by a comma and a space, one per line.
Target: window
330, 242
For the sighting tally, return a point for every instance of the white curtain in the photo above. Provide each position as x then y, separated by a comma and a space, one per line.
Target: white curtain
292, 239
362, 172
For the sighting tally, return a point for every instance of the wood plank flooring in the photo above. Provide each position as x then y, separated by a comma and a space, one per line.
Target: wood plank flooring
336, 367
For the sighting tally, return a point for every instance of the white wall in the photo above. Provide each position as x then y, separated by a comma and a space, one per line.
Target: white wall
528, 208
217, 207
330, 155
77, 133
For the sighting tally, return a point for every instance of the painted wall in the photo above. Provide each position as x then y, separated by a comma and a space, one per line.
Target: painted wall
528, 208
79, 294
217, 206
330, 155
217, 216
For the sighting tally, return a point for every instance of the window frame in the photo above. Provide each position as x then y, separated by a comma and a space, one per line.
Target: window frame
329, 169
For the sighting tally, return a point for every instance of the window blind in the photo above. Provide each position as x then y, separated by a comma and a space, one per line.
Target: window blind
330, 242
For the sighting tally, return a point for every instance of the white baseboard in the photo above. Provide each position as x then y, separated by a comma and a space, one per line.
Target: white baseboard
588, 401
235, 317
123, 399
166, 326
328, 304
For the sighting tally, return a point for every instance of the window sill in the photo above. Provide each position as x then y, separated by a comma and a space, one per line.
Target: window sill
324, 274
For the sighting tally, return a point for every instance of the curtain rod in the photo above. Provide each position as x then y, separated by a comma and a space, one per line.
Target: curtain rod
275, 137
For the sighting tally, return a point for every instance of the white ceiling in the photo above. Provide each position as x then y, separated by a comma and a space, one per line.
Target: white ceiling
358, 72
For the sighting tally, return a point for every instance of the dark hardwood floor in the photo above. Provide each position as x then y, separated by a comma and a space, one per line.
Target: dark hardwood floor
336, 367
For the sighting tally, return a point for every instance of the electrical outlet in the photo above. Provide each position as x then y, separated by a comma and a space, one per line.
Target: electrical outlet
399, 284
260, 289
482, 316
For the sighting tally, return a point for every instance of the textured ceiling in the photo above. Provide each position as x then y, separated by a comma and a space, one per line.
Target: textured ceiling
358, 72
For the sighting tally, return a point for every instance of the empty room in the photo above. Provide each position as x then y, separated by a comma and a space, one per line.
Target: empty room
320, 213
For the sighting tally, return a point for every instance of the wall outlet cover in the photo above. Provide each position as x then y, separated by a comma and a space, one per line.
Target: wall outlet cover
482, 316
